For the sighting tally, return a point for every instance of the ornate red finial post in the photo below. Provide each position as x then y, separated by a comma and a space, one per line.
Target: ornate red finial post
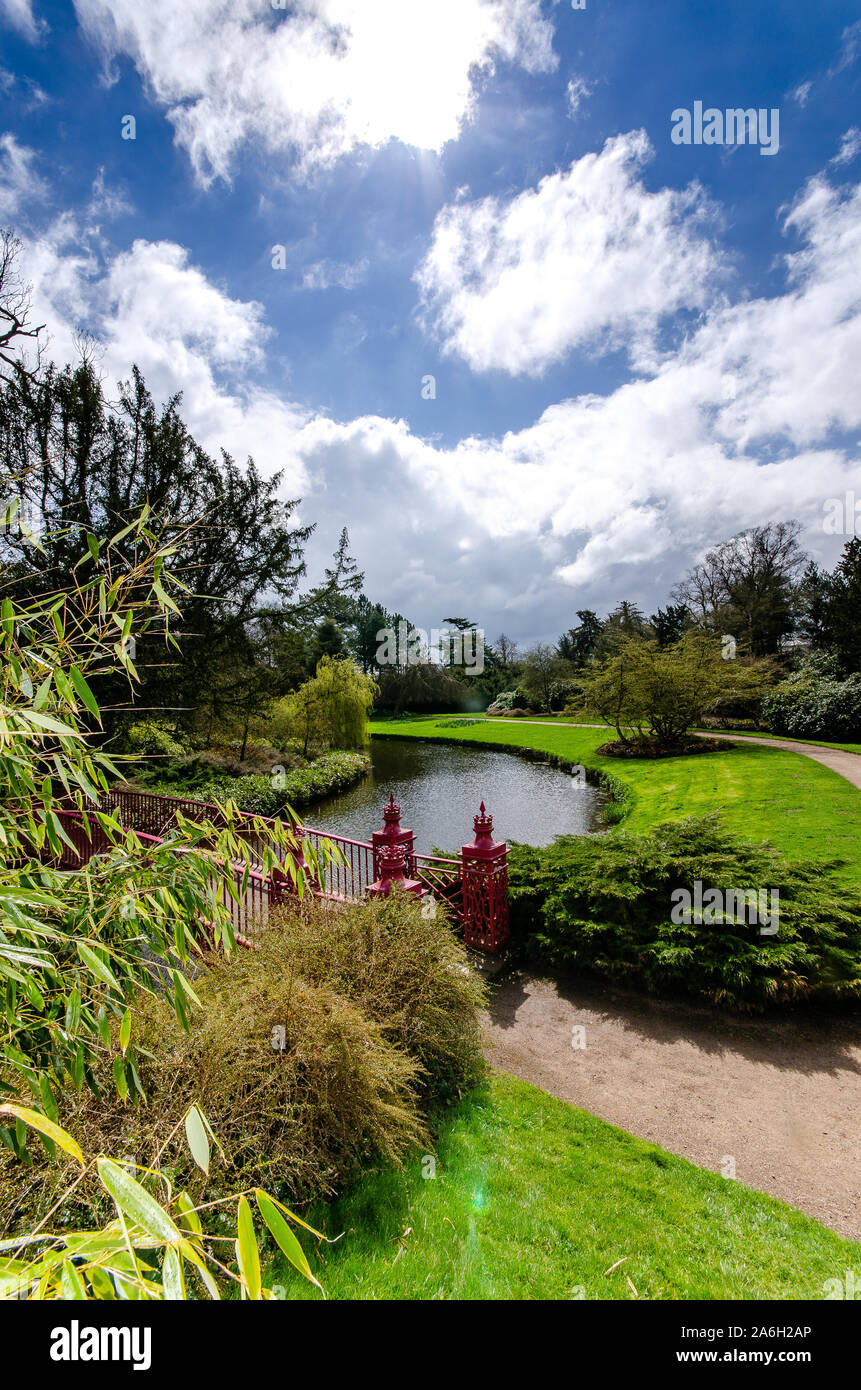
392, 864
393, 833
485, 887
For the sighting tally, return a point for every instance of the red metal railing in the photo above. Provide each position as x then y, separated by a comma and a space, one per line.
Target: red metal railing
476, 898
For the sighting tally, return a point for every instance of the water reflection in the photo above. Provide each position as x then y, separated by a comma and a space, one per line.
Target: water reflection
439, 787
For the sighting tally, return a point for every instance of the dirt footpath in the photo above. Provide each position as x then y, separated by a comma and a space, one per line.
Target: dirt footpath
782, 1098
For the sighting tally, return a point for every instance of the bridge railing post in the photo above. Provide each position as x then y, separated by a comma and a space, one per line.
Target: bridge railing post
393, 833
392, 875
484, 870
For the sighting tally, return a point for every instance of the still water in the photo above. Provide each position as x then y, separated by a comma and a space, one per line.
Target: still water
439, 787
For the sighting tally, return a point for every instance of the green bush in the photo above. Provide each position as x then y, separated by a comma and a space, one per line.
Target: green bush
603, 905
265, 795
300, 1111
510, 699
315, 1055
150, 737
809, 706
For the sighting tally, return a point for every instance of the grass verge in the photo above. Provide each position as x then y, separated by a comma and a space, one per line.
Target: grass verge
534, 1199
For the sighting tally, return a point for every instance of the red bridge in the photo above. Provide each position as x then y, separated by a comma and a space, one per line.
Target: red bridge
473, 887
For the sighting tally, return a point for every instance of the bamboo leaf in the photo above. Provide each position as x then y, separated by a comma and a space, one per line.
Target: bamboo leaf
97, 966
249, 1255
197, 1139
284, 1237
45, 1126
136, 1202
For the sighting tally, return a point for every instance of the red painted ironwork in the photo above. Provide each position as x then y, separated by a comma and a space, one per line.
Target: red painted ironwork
474, 887
392, 833
485, 887
392, 864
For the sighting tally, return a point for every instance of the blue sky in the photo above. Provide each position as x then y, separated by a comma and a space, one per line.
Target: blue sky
638, 347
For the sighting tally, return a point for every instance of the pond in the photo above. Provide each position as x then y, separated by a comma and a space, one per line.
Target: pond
439, 787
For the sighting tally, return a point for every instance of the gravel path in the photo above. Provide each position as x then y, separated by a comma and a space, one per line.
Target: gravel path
781, 1098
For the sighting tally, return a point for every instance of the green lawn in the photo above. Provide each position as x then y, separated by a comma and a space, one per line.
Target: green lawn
736, 733
533, 1198
804, 809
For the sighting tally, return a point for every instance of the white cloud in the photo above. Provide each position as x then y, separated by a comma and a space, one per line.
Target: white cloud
20, 185
850, 47
801, 93
589, 257
602, 497
577, 91
320, 79
849, 146
19, 14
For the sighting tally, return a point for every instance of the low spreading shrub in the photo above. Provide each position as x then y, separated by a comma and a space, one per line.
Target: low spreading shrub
456, 723
604, 905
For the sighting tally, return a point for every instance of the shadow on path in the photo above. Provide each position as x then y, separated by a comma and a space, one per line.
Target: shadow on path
778, 1098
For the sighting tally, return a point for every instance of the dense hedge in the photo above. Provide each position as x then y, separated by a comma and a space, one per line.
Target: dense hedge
603, 905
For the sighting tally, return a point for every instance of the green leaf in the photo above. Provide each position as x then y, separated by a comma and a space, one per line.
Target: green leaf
97, 966
284, 1237
188, 1218
197, 1139
71, 1283
50, 1104
120, 1078
136, 1202
85, 693
249, 1255
73, 1011
45, 1126
126, 1029
172, 1277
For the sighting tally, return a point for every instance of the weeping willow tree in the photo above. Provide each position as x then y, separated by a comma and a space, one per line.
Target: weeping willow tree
331, 710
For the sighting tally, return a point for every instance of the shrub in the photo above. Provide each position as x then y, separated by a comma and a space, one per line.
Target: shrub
602, 905
268, 796
313, 1056
157, 1242
301, 1088
456, 723
508, 700
808, 706
150, 737
407, 971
